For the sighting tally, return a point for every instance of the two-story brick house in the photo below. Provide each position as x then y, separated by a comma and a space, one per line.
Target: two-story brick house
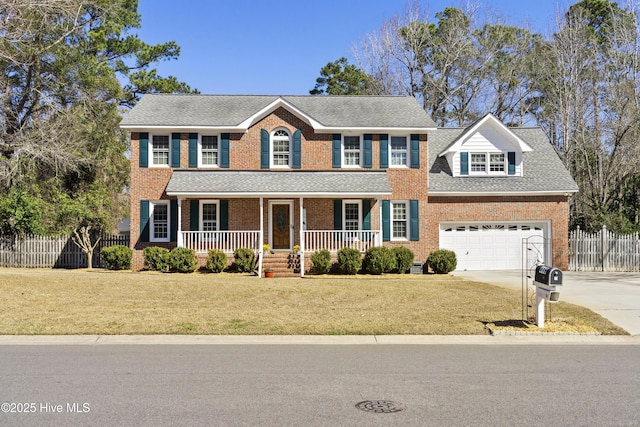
216, 171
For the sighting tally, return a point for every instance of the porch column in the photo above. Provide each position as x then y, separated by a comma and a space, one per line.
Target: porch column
180, 242
379, 238
302, 242
261, 238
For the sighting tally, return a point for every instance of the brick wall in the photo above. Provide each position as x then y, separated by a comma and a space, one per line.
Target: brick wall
463, 209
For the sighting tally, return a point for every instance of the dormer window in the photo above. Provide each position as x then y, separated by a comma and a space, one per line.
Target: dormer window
478, 162
487, 163
496, 162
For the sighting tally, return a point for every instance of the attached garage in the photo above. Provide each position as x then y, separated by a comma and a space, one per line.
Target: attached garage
493, 245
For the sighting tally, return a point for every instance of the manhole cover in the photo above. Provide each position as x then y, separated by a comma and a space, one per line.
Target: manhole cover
380, 406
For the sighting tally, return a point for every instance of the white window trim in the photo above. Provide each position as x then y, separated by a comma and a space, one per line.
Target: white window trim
272, 150
487, 164
201, 213
200, 164
344, 213
407, 220
150, 162
361, 152
152, 206
408, 151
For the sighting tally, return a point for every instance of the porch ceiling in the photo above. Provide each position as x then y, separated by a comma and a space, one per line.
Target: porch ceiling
254, 184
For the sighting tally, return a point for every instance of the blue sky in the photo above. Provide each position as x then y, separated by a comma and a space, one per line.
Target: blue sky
278, 47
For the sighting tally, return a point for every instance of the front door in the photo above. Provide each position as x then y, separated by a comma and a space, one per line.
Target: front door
281, 226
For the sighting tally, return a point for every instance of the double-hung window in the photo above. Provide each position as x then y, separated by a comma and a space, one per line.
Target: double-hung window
487, 163
208, 150
281, 142
209, 216
351, 149
159, 221
399, 150
478, 162
160, 150
496, 162
399, 221
352, 216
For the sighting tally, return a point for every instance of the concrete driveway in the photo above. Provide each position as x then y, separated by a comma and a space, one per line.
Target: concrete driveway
615, 296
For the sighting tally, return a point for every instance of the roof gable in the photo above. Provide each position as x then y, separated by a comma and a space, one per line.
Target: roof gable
490, 130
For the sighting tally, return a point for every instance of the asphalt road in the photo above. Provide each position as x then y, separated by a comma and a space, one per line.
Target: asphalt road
320, 385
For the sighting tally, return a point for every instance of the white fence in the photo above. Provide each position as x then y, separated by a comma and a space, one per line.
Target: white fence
603, 251
50, 252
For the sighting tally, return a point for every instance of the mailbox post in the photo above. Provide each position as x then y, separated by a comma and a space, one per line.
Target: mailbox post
546, 280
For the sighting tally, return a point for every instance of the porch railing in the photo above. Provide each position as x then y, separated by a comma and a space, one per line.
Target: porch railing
333, 240
227, 241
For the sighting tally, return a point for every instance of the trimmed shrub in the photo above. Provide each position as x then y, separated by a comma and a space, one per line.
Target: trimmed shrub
117, 257
404, 258
442, 261
216, 261
243, 260
378, 260
183, 260
321, 262
349, 261
156, 258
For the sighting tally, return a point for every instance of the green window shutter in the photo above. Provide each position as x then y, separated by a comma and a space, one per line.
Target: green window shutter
415, 151
193, 150
414, 222
297, 149
144, 220
143, 155
367, 151
224, 215
366, 214
173, 212
464, 163
336, 160
175, 150
337, 214
194, 215
223, 150
384, 151
386, 220
511, 160
264, 149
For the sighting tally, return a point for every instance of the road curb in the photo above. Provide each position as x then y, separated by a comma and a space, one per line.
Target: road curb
319, 339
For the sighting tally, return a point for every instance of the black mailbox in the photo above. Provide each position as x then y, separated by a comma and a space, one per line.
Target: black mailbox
548, 275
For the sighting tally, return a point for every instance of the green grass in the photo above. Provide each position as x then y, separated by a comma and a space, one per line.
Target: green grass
54, 302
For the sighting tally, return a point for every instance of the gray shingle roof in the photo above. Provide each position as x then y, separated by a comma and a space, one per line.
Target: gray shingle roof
543, 170
313, 183
230, 110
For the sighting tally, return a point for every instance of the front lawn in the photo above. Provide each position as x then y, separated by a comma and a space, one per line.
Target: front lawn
53, 302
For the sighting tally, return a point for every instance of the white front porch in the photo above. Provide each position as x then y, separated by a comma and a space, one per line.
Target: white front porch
310, 241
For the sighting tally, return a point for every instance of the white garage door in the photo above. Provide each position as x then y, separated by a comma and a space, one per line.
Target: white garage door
492, 246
